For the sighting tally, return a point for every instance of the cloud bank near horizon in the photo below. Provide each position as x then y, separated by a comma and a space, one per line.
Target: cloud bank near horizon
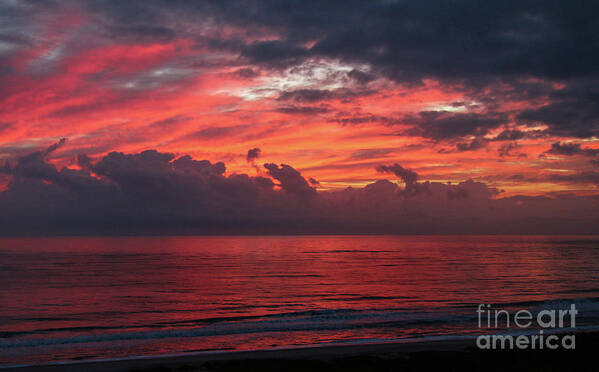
152, 192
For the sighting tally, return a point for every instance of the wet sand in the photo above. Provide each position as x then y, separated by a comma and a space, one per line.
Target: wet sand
460, 355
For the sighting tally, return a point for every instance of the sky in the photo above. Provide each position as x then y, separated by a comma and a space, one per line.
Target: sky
415, 99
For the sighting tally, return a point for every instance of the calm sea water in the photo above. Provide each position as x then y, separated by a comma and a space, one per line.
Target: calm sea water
78, 298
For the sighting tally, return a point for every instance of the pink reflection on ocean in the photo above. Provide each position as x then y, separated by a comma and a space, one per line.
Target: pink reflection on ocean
76, 298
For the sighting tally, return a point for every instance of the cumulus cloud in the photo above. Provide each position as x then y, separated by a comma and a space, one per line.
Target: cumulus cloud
407, 176
159, 193
289, 179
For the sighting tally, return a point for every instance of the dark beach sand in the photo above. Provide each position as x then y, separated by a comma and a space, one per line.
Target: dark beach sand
415, 356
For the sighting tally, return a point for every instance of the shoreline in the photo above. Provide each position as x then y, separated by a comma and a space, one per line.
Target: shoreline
346, 357
300, 352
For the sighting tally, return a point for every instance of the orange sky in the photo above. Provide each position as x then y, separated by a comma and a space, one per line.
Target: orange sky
181, 97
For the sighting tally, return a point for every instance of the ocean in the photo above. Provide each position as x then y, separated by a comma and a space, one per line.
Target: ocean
77, 298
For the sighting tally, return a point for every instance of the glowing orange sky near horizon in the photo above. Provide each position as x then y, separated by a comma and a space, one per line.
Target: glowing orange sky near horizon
178, 97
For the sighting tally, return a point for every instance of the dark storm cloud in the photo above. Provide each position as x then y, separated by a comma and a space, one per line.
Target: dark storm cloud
246, 73
253, 154
303, 110
476, 43
451, 40
510, 135
473, 145
84, 161
37, 158
470, 40
572, 111
157, 193
14, 40
345, 118
316, 95
306, 95
141, 33
570, 149
407, 176
34, 167
274, 53
577, 178
443, 125
507, 149
129, 192
360, 76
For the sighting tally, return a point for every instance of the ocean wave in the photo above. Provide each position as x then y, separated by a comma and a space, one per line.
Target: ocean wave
305, 320
556, 304
315, 320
